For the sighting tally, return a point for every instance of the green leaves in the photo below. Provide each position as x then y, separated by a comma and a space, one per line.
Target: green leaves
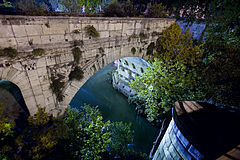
121, 136
87, 133
172, 76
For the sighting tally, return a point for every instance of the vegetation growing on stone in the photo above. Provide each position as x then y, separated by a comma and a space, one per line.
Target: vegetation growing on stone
77, 74
142, 36
91, 31
57, 87
101, 50
154, 33
38, 52
78, 43
76, 31
9, 52
132, 36
150, 48
77, 54
133, 50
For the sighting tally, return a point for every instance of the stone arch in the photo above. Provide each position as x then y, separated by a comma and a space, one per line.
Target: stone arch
16, 75
73, 86
13, 102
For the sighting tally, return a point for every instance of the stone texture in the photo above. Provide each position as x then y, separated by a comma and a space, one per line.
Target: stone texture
55, 35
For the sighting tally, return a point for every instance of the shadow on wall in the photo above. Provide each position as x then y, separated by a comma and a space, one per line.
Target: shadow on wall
13, 102
214, 131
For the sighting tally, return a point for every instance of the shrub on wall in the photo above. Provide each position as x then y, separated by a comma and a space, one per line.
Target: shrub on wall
142, 36
9, 52
133, 50
77, 74
91, 31
76, 31
38, 52
57, 87
77, 54
78, 43
132, 36
150, 48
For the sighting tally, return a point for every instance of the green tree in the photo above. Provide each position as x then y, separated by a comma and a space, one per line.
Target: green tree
31, 7
157, 11
6, 4
173, 75
38, 138
87, 134
70, 5
121, 136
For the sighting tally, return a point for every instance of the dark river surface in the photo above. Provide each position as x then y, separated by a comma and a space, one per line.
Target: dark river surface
114, 106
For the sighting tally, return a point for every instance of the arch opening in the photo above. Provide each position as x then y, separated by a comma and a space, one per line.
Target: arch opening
13, 102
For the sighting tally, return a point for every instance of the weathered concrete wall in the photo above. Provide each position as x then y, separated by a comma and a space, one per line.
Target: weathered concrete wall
55, 35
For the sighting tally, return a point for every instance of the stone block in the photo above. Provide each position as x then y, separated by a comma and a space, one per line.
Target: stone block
6, 31
173, 152
182, 139
19, 30
104, 34
45, 39
195, 153
40, 100
37, 90
11, 73
45, 87
73, 27
8, 42
103, 27
27, 93
57, 38
22, 42
18, 66
5, 72
41, 63
50, 60
36, 40
33, 30
46, 29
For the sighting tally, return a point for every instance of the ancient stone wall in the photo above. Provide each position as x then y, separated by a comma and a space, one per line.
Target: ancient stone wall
56, 35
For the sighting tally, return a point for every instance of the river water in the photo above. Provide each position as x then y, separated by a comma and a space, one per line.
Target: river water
98, 91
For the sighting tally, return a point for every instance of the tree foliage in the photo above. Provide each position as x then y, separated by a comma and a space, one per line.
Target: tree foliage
157, 11
87, 134
31, 7
5, 3
172, 75
121, 9
121, 136
77, 5
38, 139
